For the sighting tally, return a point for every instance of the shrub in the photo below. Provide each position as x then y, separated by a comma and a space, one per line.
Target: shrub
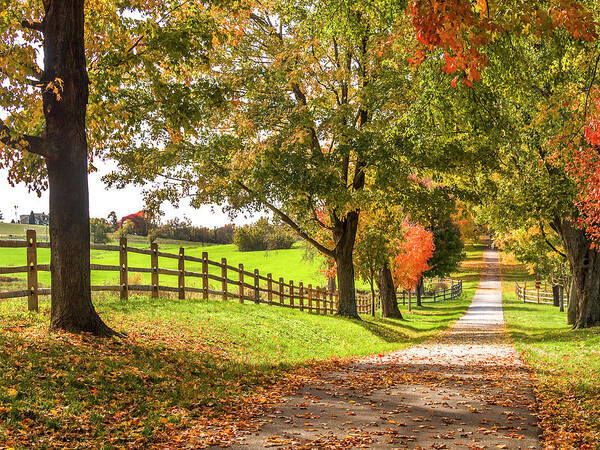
127, 228
262, 235
183, 230
99, 229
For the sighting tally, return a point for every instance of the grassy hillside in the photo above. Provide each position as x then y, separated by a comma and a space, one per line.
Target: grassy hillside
292, 264
565, 364
17, 230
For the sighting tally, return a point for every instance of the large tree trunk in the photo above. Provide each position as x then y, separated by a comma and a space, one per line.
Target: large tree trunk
584, 307
387, 293
344, 235
65, 112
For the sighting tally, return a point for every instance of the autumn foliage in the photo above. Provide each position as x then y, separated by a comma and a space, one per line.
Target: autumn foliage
583, 165
411, 255
462, 29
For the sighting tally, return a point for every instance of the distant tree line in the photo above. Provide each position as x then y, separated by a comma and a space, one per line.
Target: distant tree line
263, 235
183, 230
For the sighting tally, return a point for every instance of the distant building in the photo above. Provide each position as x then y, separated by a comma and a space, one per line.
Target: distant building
40, 219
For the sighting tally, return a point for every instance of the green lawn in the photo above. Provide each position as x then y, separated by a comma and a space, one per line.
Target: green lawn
565, 364
182, 361
293, 264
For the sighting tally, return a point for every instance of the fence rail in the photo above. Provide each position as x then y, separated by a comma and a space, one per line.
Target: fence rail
540, 292
199, 276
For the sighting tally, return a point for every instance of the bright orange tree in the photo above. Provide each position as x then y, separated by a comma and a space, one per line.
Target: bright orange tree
411, 255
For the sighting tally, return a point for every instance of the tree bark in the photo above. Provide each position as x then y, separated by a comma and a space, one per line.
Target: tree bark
331, 284
418, 291
387, 293
65, 106
344, 235
584, 307
372, 295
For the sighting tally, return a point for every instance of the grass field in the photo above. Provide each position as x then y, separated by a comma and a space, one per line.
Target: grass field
293, 264
565, 365
17, 230
181, 364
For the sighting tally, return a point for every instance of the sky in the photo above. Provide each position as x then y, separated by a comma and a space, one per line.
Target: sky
103, 200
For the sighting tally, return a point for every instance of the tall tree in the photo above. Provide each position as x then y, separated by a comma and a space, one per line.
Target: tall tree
58, 145
84, 56
377, 232
293, 112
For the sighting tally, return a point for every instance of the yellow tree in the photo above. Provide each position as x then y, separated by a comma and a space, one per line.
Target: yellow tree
51, 53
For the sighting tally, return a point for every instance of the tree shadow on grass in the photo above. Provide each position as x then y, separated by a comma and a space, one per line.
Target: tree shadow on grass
402, 331
95, 392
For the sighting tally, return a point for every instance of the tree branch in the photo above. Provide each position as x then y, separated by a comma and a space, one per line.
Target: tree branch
35, 26
550, 243
287, 219
32, 144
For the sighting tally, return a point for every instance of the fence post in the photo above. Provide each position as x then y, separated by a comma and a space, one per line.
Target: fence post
181, 273
318, 299
256, 287
124, 281
154, 267
301, 295
224, 276
403, 298
280, 290
410, 301
205, 275
330, 302
524, 290
241, 285
270, 288
310, 297
292, 293
32, 271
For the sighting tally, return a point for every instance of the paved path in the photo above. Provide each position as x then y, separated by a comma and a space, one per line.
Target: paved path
465, 389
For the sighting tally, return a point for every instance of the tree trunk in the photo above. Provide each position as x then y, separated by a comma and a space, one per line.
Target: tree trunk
344, 235
584, 307
572, 307
387, 293
420, 288
65, 110
372, 295
331, 285
555, 295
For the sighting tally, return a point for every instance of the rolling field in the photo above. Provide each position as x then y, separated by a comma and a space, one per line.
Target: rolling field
293, 264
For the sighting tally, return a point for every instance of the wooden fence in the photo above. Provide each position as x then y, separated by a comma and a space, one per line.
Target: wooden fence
216, 279
447, 293
539, 292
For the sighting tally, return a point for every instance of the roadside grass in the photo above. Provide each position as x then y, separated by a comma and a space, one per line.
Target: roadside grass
181, 363
565, 365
